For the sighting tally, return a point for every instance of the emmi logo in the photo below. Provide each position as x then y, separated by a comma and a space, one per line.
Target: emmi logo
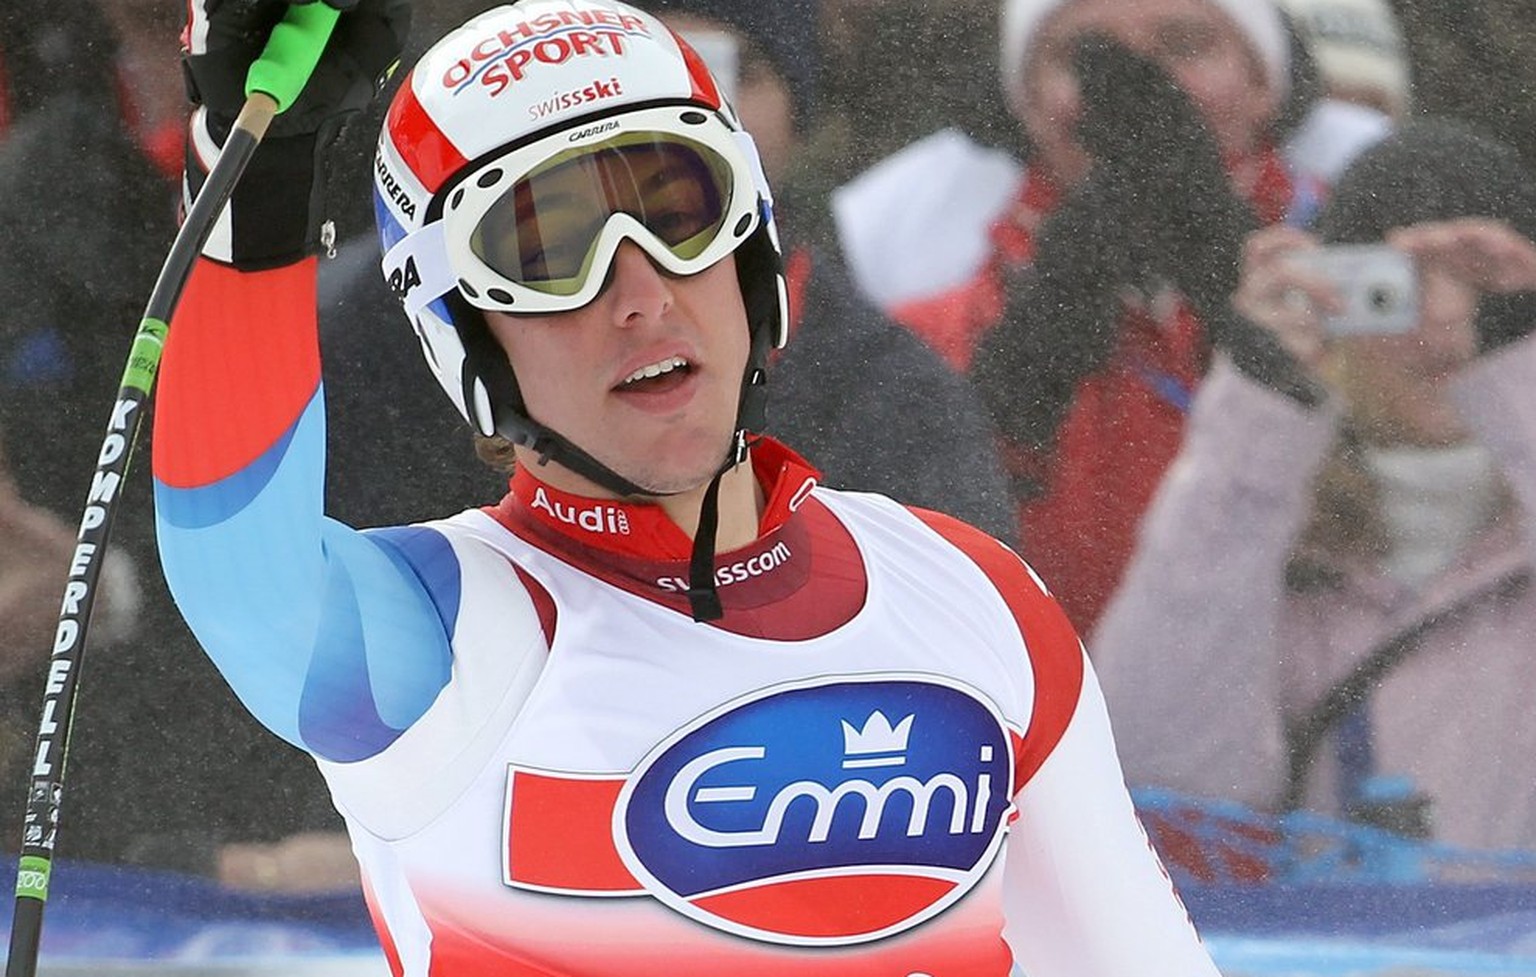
807, 792
876, 744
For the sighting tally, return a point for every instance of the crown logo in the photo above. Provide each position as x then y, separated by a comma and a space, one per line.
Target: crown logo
877, 744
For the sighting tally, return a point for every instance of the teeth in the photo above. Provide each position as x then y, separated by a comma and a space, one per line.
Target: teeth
656, 369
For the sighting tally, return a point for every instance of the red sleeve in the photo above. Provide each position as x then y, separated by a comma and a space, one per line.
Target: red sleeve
241, 363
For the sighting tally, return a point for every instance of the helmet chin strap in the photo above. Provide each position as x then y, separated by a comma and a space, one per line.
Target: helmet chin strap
703, 597
550, 446
516, 426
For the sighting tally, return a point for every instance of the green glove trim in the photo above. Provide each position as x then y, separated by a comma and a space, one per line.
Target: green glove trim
291, 53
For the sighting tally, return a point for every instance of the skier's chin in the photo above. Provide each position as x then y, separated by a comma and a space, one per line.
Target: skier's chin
681, 477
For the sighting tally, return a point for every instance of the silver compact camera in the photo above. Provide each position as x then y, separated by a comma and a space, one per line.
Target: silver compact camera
1378, 283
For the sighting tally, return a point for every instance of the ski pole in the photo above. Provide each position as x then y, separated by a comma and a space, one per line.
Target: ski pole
272, 85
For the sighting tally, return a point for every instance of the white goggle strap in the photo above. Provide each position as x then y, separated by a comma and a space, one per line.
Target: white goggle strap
417, 269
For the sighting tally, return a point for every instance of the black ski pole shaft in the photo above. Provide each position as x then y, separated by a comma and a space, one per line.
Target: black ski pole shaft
274, 82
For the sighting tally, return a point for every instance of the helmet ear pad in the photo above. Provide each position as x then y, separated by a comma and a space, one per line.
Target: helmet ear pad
486, 364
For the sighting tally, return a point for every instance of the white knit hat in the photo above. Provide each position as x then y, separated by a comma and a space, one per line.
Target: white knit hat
1259, 21
1357, 44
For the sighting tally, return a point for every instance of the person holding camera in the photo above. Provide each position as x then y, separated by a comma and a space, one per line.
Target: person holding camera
1335, 575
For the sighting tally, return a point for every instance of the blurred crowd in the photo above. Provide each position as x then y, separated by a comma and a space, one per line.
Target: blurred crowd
1217, 311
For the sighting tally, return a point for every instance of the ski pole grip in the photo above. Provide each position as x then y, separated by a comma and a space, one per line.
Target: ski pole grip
292, 52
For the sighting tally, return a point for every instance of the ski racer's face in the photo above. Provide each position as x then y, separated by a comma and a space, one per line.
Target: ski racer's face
1193, 40
646, 377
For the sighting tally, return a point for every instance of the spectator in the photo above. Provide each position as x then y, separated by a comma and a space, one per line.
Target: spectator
40, 71
879, 89
1337, 583
1090, 404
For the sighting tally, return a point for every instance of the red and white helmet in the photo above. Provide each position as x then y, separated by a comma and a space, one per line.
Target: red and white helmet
476, 162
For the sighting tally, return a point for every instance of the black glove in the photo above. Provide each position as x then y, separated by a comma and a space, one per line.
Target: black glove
1158, 171
277, 209
1157, 207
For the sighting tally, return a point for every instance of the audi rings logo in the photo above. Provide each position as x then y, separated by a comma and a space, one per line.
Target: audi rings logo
764, 818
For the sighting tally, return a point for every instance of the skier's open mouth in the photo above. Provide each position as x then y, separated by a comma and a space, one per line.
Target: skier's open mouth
660, 377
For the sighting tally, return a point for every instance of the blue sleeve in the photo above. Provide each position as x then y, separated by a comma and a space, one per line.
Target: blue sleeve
336, 640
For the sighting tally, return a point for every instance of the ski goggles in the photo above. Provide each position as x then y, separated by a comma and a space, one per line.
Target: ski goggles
535, 230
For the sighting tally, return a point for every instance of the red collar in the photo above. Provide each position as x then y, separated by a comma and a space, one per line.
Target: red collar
643, 529
763, 586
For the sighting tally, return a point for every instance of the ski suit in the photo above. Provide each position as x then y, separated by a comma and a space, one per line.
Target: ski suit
890, 757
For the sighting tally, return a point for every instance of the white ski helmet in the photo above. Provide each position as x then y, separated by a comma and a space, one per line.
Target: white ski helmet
514, 107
